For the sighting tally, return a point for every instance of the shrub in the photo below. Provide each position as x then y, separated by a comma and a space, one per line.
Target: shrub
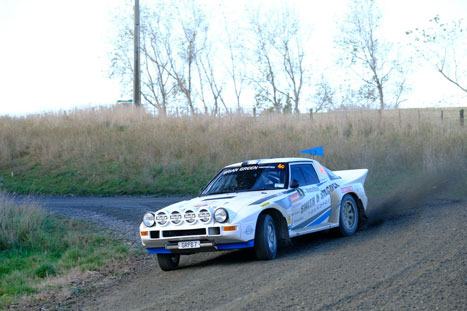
21, 225
44, 270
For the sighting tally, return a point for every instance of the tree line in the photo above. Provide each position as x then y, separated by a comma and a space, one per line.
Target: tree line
216, 64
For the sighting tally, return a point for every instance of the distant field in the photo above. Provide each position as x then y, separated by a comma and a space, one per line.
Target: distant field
124, 151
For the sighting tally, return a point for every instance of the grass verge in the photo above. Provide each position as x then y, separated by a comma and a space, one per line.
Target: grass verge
128, 151
36, 246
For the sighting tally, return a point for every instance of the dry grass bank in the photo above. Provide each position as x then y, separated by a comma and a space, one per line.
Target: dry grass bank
111, 151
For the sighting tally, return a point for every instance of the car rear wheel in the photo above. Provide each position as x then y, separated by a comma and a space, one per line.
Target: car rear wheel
266, 238
168, 262
348, 220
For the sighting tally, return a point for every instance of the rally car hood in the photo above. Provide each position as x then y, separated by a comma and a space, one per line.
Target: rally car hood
233, 201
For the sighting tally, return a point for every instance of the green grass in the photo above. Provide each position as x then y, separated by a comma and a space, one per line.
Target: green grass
172, 179
36, 245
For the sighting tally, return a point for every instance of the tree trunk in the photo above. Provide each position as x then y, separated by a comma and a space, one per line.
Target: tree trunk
381, 95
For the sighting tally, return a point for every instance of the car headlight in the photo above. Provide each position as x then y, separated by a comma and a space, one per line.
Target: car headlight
176, 218
149, 220
204, 215
221, 215
162, 218
190, 216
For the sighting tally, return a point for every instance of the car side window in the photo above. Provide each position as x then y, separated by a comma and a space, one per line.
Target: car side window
331, 175
310, 174
297, 174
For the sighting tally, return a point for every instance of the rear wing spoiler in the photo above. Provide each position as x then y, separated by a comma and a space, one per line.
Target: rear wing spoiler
353, 176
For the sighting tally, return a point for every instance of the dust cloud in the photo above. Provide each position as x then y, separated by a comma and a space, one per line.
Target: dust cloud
408, 198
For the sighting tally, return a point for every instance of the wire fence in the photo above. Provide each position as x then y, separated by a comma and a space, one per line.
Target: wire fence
408, 115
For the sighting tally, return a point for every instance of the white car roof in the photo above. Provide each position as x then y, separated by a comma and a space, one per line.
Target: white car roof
268, 161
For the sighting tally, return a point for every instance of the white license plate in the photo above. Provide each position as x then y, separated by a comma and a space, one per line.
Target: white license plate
188, 244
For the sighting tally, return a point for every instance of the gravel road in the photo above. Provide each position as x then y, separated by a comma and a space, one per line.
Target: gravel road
411, 256
120, 214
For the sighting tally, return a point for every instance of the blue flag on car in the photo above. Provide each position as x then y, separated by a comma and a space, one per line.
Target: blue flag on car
317, 151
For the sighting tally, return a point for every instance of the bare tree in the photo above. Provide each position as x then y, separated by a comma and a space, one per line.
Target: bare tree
371, 59
280, 59
267, 83
289, 46
157, 86
236, 65
201, 85
191, 24
121, 65
444, 46
324, 95
216, 86
173, 37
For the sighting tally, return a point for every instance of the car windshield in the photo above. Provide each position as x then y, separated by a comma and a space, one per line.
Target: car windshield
248, 178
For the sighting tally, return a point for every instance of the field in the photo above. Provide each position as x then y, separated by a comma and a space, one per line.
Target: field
410, 154
125, 151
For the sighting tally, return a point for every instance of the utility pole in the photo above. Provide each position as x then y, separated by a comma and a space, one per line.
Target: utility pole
136, 69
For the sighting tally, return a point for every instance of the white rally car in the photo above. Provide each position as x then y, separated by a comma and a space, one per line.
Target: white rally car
257, 203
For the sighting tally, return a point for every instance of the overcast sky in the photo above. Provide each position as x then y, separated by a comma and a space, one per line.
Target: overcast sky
54, 54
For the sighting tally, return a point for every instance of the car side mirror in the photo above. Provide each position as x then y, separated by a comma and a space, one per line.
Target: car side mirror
294, 184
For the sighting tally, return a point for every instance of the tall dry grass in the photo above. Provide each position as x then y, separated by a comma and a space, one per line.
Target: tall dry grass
128, 151
20, 223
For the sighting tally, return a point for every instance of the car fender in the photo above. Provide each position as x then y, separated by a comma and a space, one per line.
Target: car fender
247, 217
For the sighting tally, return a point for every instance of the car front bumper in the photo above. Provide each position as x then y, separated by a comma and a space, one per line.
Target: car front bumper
165, 240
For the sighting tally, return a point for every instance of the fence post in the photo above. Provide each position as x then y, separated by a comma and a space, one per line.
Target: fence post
254, 112
400, 118
442, 116
461, 117
418, 112
311, 114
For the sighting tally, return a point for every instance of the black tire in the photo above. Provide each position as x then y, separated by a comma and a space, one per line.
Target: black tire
348, 216
266, 238
168, 262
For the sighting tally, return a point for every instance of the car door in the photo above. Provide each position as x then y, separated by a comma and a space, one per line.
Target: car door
323, 200
306, 201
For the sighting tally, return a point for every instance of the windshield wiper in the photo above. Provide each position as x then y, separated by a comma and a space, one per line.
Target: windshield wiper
257, 189
218, 192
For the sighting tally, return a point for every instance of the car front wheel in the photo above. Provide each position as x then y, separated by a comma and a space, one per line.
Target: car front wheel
168, 262
266, 238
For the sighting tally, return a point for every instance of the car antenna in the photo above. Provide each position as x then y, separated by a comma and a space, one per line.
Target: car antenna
316, 151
